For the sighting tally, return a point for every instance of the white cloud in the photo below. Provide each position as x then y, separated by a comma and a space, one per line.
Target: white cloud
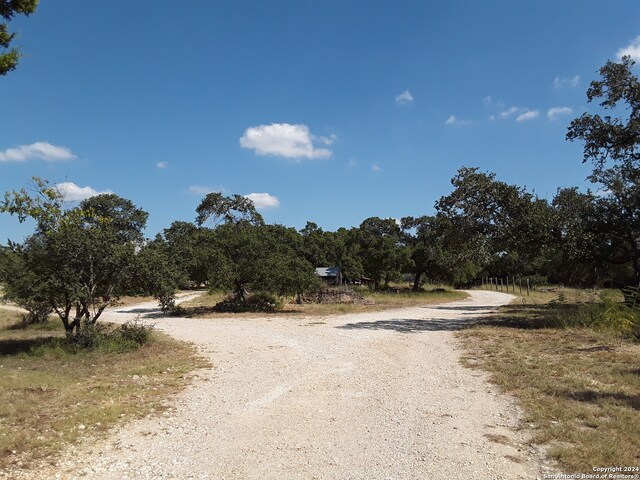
376, 168
503, 115
326, 140
263, 201
285, 140
560, 82
162, 165
201, 190
71, 192
404, 98
453, 120
528, 115
42, 150
352, 163
632, 50
555, 112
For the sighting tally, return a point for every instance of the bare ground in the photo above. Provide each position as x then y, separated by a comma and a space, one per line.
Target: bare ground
363, 396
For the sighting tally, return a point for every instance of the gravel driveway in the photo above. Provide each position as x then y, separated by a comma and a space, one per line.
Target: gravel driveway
364, 396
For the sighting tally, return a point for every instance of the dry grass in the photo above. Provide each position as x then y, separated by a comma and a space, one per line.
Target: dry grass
202, 306
50, 397
127, 301
579, 388
545, 295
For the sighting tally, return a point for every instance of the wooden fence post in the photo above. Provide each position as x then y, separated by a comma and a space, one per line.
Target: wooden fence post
528, 287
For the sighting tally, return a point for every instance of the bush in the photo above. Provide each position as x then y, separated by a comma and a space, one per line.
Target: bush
136, 332
37, 313
607, 314
129, 336
257, 302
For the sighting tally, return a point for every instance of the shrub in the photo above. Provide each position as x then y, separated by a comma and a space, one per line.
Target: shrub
136, 331
129, 336
257, 302
37, 313
607, 314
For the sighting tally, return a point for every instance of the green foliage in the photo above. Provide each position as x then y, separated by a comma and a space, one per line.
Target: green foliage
632, 296
78, 261
128, 336
156, 274
246, 257
501, 228
135, 332
257, 302
381, 250
607, 314
9, 57
612, 144
218, 209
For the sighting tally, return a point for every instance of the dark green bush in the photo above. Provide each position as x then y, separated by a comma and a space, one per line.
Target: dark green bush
257, 302
607, 314
128, 336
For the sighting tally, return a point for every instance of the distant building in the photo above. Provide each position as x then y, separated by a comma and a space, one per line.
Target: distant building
330, 275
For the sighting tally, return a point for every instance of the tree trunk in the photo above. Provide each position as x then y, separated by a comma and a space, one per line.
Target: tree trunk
416, 281
240, 292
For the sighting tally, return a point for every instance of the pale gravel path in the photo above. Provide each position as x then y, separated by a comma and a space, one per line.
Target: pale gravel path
363, 396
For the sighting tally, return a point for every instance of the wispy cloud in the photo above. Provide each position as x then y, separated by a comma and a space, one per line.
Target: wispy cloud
39, 150
285, 140
70, 192
201, 189
528, 115
262, 201
376, 168
504, 114
404, 98
520, 114
455, 121
556, 112
162, 165
632, 50
572, 82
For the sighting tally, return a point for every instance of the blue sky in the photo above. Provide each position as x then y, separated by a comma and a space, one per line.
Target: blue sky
333, 111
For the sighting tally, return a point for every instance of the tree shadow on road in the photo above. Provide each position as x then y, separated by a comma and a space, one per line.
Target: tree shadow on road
406, 325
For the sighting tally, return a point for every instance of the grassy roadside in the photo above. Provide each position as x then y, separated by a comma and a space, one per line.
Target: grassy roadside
50, 398
579, 387
202, 306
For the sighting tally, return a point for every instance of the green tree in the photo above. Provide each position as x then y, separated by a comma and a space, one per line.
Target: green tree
217, 208
509, 228
191, 249
381, 251
259, 258
157, 274
10, 56
587, 250
438, 250
79, 261
612, 145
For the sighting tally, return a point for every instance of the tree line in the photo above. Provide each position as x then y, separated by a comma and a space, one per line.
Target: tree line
78, 261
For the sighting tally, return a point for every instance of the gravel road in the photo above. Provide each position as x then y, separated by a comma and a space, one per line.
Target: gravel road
363, 396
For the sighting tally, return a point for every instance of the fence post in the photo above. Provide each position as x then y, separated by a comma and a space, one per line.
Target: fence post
528, 287
500, 283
